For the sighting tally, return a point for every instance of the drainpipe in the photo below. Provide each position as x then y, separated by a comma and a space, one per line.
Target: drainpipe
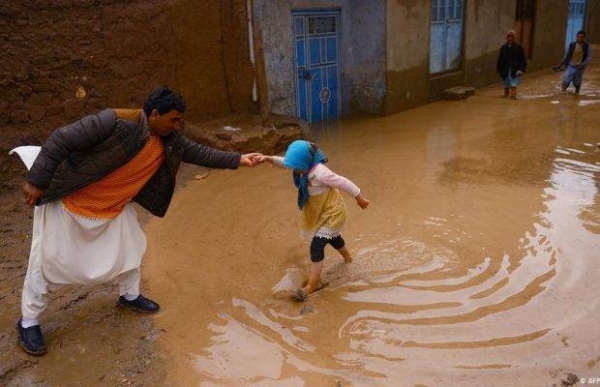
251, 46
260, 73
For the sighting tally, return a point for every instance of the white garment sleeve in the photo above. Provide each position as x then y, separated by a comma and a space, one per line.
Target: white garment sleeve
278, 161
329, 178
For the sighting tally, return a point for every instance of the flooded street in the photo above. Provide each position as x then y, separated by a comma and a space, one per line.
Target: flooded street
476, 264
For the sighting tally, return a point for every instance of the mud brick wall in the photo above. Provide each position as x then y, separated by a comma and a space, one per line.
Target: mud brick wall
62, 59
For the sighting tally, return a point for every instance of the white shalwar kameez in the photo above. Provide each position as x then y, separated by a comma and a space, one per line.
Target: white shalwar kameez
96, 251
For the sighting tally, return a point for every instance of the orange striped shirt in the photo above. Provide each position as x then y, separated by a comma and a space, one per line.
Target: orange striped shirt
107, 197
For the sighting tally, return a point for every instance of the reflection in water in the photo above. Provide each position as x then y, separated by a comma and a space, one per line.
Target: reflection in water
588, 102
476, 264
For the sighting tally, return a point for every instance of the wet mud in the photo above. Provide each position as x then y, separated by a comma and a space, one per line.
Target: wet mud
476, 263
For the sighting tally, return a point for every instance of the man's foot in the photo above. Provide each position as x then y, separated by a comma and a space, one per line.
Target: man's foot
140, 304
31, 340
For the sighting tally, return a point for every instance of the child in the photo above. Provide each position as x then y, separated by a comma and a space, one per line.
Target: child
323, 210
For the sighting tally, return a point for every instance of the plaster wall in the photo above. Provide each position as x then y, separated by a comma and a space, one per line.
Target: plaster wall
549, 34
407, 54
486, 23
592, 21
361, 52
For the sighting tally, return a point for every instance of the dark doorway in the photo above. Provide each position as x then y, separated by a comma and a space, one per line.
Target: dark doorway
524, 25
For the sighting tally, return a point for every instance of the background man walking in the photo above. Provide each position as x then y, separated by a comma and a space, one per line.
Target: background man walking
510, 65
574, 62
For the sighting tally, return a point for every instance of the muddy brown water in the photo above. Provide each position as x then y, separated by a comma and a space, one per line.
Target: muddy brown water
476, 264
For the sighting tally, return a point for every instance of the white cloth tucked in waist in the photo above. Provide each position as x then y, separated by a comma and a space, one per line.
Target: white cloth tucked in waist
76, 250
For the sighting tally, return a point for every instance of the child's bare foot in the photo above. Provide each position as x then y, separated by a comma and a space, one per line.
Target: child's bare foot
308, 289
299, 295
345, 254
302, 293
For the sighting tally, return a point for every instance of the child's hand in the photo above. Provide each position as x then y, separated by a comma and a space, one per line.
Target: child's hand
362, 202
262, 158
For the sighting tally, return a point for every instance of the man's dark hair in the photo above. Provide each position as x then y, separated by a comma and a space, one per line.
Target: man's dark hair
582, 32
164, 100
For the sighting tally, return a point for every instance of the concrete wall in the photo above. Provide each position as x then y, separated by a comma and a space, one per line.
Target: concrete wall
592, 21
549, 34
486, 24
407, 55
361, 52
363, 56
408, 82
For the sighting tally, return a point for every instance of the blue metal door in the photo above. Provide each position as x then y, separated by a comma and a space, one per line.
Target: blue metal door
575, 20
445, 42
316, 37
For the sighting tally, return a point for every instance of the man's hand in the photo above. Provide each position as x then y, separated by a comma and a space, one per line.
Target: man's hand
250, 159
31, 193
519, 73
362, 202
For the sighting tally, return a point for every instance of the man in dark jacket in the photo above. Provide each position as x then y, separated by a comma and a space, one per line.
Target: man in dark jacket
511, 65
86, 175
575, 61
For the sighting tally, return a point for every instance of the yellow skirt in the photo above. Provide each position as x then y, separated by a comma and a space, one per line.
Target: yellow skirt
324, 215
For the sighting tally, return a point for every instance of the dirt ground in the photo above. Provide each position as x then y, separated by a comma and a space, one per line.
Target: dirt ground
121, 353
